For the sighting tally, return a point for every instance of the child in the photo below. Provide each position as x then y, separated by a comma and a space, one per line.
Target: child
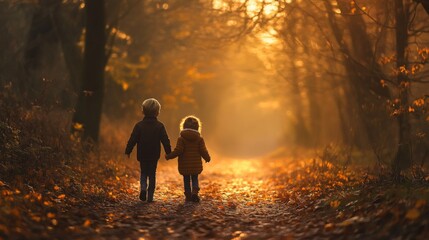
148, 134
190, 148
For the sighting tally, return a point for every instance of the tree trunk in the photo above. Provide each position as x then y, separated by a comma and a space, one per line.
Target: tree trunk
40, 35
302, 134
403, 156
89, 105
364, 74
68, 26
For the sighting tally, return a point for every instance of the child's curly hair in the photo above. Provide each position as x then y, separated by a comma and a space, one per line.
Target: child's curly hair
191, 122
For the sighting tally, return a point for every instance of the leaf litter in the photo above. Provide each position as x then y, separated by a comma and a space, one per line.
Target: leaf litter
241, 199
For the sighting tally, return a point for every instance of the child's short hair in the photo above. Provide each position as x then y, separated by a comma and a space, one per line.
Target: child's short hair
151, 107
191, 122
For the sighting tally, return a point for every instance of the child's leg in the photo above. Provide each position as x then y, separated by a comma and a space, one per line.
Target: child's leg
152, 182
187, 185
151, 188
143, 186
195, 184
195, 188
143, 182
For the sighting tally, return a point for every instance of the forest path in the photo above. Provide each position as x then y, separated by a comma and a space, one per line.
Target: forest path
238, 200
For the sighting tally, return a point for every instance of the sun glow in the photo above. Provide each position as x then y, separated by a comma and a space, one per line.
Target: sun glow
254, 9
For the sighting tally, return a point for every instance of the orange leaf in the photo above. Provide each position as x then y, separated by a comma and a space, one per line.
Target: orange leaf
412, 214
54, 222
329, 226
335, 204
78, 126
420, 203
36, 218
62, 196
87, 223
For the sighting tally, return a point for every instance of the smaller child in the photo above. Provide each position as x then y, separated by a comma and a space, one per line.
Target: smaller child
190, 148
148, 134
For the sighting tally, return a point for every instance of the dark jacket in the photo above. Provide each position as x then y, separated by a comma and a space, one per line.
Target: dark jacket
190, 148
148, 134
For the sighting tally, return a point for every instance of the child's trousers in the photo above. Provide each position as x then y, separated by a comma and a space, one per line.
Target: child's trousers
147, 176
144, 177
187, 183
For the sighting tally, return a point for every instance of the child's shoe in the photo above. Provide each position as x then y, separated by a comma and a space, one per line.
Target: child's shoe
142, 195
188, 196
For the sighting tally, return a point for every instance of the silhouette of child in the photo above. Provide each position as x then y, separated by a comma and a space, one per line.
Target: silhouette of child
148, 134
190, 148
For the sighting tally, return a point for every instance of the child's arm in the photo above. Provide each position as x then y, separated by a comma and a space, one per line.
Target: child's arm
203, 151
165, 140
180, 146
132, 141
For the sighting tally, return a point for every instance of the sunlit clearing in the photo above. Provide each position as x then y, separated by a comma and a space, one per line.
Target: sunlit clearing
242, 167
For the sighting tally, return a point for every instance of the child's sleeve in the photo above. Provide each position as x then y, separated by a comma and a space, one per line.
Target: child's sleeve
203, 151
165, 140
133, 140
180, 146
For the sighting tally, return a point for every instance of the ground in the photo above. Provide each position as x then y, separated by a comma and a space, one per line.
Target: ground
240, 199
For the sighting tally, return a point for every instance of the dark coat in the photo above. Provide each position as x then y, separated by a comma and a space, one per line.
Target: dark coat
190, 148
148, 134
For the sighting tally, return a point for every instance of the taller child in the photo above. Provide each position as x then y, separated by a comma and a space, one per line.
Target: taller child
148, 134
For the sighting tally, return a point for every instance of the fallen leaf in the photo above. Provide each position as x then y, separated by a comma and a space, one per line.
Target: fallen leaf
4, 229
420, 203
329, 226
352, 220
36, 218
87, 223
335, 204
412, 214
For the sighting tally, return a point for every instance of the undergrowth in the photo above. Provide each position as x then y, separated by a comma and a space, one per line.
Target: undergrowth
45, 171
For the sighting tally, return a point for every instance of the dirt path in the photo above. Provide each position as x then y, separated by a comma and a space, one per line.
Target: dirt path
238, 200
